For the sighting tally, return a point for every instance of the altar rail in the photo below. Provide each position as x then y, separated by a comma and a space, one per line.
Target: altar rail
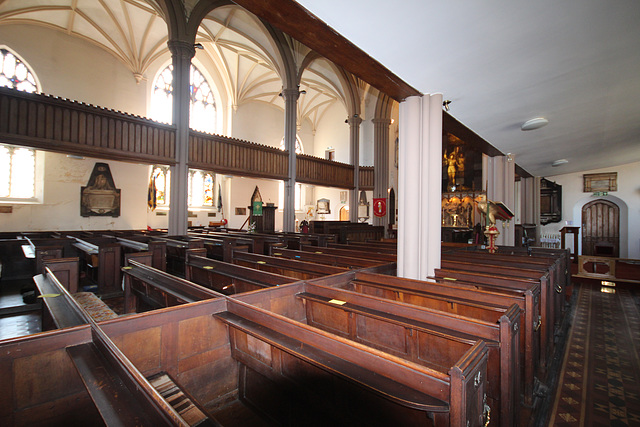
56, 124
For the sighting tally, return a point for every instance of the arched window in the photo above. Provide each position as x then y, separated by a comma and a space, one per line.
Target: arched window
201, 187
202, 112
14, 73
17, 164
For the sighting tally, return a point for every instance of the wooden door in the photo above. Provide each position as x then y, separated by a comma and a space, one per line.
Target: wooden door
601, 228
344, 213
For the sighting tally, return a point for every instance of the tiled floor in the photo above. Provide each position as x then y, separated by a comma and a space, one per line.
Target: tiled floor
16, 324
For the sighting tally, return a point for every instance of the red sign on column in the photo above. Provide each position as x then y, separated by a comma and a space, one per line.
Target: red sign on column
380, 207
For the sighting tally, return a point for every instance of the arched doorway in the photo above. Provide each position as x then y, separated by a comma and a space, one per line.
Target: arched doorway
601, 228
344, 213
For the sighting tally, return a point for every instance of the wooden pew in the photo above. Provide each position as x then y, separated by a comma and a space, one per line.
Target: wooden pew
460, 298
176, 251
356, 253
157, 248
516, 269
347, 383
157, 289
427, 337
100, 384
101, 259
228, 278
296, 269
366, 247
328, 259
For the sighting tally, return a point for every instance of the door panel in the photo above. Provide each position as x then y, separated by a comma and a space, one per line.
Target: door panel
600, 228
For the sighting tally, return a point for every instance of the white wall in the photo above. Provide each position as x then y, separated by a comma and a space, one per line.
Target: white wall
72, 68
333, 132
60, 210
627, 198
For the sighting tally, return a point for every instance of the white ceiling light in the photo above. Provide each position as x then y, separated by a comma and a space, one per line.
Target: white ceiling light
559, 162
536, 123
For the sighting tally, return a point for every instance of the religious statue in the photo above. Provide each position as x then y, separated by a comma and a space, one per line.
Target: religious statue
454, 162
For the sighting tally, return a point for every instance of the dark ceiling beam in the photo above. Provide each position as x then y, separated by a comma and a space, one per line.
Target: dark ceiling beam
296, 21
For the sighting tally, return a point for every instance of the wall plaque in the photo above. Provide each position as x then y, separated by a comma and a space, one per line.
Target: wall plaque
100, 197
594, 182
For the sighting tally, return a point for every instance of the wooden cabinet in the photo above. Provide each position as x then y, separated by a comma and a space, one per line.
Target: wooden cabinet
550, 202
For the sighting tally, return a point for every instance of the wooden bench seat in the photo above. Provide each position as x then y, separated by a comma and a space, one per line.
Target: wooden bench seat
458, 298
328, 259
410, 388
156, 289
228, 278
287, 267
356, 253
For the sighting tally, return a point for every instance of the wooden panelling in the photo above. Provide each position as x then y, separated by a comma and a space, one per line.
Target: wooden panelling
236, 157
55, 124
312, 170
366, 180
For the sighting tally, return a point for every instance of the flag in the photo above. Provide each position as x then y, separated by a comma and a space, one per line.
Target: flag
151, 194
219, 198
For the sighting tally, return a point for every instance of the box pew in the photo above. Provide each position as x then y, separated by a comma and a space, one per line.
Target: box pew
157, 248
356, 253
466, 299
145, 286
261, 243
430, 338
548, 273
558, 277
362, 246
228, 278
296, 269
347, 383
375, 244
328, 259
100, 260
220, 246
101, 387
176, 251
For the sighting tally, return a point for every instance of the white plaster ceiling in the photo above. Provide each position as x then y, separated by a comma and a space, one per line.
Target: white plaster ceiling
135, 32
574, 62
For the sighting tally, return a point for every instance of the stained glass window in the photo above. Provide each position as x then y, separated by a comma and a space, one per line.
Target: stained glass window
202, 113
161, 179
208, 189
201, 187
15, 74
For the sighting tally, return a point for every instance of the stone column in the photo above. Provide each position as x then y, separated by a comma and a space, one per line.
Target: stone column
354, 143
181, 54
290, 97
419, 186
501, 188
381, 165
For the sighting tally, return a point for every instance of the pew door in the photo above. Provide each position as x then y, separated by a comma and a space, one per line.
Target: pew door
601, 228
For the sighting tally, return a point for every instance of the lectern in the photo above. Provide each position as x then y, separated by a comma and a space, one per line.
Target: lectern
575, 231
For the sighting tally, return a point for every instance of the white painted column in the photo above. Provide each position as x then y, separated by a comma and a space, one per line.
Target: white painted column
381, 166
419, 186
354, 144
290, 97
501, 188
181, 54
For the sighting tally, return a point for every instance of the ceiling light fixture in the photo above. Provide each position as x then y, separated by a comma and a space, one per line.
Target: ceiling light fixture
559, 162
536, 123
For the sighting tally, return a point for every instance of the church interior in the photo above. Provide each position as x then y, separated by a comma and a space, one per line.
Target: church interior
218, 212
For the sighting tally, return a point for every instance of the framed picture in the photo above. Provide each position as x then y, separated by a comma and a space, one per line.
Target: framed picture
594, 182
